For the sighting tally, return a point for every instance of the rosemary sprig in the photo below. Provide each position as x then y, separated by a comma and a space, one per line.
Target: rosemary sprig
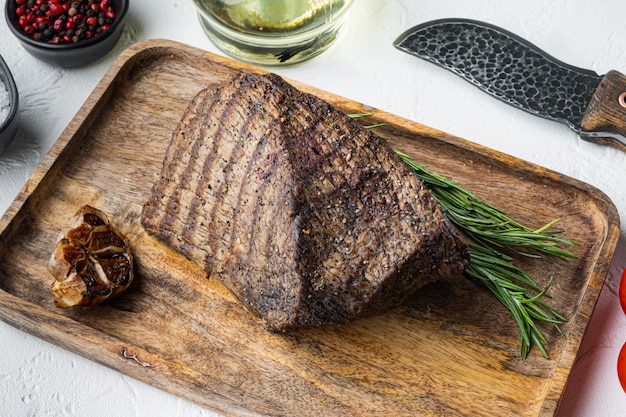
486, 224
491, 230
500, 275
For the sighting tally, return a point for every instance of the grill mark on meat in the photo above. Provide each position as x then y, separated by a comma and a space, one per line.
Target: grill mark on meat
226, 162
259, 177
190, 224
213, 156
177, 160
266, 175
210, 158
188, 174
304, 215
243, 207
240, 208
256, 168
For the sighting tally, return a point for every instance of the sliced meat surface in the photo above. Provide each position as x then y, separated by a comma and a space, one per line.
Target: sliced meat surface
303, 214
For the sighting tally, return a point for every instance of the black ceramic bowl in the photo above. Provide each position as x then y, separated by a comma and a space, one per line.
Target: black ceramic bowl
70, 54
8, 127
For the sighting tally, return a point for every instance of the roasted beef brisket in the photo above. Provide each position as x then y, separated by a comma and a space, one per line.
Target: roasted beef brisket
303, 214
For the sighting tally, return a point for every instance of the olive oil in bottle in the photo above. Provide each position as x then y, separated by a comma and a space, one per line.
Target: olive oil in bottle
272, 32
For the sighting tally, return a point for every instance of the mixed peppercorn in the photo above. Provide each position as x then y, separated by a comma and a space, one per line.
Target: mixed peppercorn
63, 21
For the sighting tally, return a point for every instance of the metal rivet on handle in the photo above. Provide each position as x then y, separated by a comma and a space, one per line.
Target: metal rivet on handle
622, 99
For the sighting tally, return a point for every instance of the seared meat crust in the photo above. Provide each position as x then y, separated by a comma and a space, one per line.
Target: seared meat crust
303, 214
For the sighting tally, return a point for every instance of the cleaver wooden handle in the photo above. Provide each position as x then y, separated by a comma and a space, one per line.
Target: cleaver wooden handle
606, 111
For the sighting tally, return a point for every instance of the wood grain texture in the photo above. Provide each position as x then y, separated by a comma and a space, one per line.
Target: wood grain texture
606, 111
451, 350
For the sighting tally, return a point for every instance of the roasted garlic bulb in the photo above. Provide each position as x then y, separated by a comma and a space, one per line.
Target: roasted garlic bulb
91, 261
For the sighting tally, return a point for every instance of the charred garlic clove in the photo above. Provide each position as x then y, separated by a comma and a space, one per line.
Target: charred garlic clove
91, 262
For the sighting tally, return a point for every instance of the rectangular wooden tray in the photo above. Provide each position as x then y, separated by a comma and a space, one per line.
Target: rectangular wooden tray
451, 350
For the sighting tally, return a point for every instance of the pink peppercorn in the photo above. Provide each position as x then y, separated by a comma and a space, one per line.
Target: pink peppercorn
64, 21
55, 8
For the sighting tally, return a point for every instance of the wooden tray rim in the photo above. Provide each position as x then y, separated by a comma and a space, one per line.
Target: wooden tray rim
49, 326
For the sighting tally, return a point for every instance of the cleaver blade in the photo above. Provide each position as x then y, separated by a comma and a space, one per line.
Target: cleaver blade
519, 73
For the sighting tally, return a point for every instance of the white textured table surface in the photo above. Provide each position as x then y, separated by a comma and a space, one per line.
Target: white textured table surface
39, 379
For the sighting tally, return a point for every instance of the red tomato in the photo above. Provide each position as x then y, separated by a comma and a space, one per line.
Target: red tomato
621, 367
621, 359
622, 291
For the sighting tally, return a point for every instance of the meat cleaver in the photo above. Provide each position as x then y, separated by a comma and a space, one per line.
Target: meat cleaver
522, 75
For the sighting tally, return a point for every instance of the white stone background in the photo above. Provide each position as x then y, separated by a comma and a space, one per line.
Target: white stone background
39, 379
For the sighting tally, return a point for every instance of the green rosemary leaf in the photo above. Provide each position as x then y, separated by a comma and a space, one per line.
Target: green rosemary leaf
491, 231
359, 115
525, 307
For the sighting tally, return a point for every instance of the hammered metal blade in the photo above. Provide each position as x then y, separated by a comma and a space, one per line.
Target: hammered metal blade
505, 66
